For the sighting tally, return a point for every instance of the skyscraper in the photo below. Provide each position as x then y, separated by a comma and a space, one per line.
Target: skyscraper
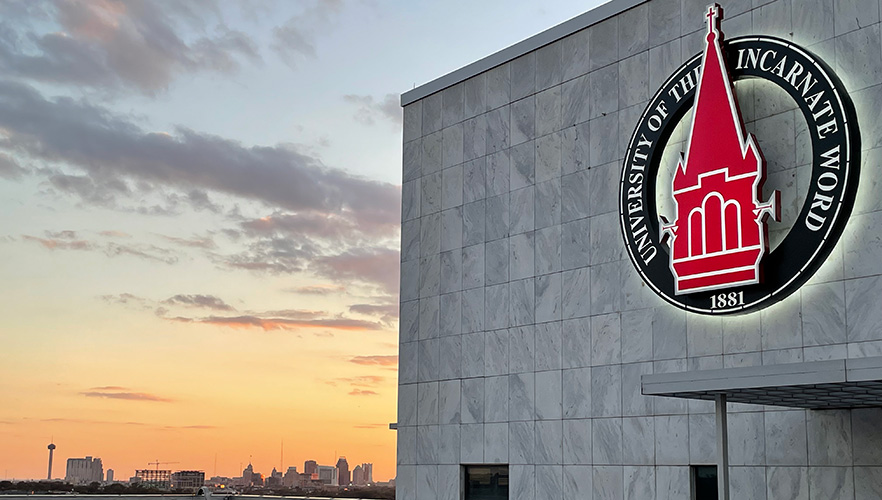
310, 467
327, 474
291, 477
358, 475
343, 471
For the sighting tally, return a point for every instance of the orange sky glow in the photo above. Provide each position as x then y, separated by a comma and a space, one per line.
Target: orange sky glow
205, 408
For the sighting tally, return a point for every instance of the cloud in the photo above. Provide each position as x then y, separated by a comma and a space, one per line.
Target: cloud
370, 109
102, 193
295, 313
359, 392
282, 319
371, 426
129, 300
326, 226
270, 323
375, 360
362, 380
10, 169
205, 242
113, 392
67, 240
197, 300
316, 289
275, 255
116, 44
115, 234
59, 244
295, 41
148, 252
89, 421
112, 150
62, 235
125, 299
379, 310
376, 265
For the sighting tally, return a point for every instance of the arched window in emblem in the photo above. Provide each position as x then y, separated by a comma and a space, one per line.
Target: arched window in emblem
713, 214
715, 226
696, 232
732, 225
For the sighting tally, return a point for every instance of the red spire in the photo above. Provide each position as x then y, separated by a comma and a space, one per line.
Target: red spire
719, 236
717, 137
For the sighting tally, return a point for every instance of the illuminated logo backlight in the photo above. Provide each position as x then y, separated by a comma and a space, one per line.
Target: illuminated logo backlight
714, 256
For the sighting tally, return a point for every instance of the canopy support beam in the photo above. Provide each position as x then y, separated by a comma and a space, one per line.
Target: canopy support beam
722, 447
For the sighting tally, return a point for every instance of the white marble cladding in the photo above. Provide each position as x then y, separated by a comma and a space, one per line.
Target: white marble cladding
525, 329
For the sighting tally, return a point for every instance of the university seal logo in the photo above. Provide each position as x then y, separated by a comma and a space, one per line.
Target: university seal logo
714, 255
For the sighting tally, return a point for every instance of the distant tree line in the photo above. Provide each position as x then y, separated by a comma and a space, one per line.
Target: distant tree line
374, 492
49, 487
96, 488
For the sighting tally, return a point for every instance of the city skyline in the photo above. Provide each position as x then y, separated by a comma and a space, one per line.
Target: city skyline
199, 220
280, 466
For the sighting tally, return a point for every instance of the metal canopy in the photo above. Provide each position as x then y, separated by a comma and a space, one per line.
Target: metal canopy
818, 385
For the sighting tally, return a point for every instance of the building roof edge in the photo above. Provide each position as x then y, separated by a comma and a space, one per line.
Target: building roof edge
566, 28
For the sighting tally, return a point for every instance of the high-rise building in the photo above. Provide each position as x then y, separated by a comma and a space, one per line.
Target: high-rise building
291, 477
327, 474
251, 478
310, 467
188, 480
109, 477
358, 475
84, 470
274, 480
368, 473
247, 472
343, 471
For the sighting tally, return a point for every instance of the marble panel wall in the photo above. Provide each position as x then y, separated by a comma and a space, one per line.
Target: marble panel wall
524, 328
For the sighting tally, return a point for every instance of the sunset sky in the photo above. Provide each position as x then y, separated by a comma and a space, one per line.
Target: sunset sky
199, 208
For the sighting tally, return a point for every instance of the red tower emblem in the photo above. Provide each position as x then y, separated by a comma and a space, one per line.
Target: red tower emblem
720, 236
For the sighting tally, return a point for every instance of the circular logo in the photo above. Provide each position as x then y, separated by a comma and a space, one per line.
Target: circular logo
714, 257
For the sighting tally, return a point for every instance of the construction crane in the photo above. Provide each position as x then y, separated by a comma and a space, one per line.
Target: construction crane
157, 463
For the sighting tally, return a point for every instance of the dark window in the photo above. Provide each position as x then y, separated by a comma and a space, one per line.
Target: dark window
485, 482
704, 482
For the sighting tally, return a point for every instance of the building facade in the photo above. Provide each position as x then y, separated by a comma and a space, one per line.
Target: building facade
368, 469
157, 478
291, 477
84, 470
343, 471
536, 358
327, 475
188, 480
310, 467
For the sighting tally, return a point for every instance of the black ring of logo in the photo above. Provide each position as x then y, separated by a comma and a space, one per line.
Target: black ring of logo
804, 249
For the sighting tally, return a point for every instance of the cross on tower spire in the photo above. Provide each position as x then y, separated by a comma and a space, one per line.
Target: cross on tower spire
714, 13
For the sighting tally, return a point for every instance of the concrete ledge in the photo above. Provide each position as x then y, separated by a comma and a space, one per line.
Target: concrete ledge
864, 369
844, 383
550, 35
